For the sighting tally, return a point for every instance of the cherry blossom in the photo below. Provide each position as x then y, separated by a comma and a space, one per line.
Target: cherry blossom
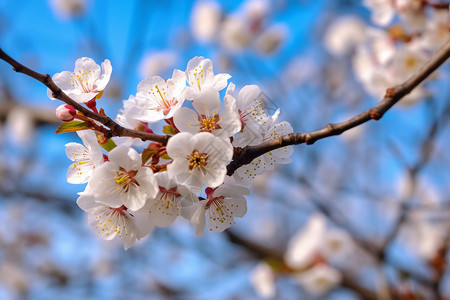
252, 115
262, 278
219, 209
246, 173
209, 117
198, 159
305, 244
166, 206
205, 20
85, 157
111, 222
123, 181
85, 82
319, 280
200, 76
158, 99
344, 34
124, 118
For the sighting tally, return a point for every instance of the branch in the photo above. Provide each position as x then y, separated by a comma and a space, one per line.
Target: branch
243, 156
114, 128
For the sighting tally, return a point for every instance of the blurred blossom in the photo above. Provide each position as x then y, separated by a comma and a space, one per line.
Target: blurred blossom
337, 245
301, 69
382, 11
157, 63
379, 64
271, 39
255, 11
319, 280
235, 35
344, 34
437, 31
303, 246
263, 280
20, 126
422, 237
205, 20
67, 9
15, 277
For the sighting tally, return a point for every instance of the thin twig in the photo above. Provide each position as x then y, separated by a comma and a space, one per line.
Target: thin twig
114, 128
243, 156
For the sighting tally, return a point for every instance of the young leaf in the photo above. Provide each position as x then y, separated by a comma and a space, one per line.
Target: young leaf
168, 129
72, 126
109, 145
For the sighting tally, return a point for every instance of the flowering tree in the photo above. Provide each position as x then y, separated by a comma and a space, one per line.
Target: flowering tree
217, 141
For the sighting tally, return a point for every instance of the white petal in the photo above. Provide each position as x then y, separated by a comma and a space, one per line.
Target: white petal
125, 157
104, 78
186, 120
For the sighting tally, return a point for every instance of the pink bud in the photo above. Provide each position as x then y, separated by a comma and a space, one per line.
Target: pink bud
66, 112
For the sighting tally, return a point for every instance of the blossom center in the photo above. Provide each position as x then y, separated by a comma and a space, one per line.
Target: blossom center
125, 179
208, 124
411, 62
80, 81
172, 191
197, 160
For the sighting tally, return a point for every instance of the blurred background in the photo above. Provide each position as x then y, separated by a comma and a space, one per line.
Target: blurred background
380, 192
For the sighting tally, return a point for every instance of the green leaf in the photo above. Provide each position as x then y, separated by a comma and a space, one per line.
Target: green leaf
168, 129
109, 145
165, 156
147, 154
72, 126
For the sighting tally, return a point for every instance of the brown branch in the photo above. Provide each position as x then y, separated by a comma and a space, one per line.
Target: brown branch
243, 156
114, 128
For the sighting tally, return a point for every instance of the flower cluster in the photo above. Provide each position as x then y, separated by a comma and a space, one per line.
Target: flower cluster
389, 55
136, 186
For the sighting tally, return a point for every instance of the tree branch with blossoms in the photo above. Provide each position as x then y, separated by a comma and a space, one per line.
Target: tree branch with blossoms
183, 173
245, 155
114, 128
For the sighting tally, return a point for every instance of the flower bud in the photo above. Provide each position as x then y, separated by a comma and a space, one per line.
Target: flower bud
66, 112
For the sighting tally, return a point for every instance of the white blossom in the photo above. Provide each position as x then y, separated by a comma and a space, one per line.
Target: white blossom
344, 34
271, 38
200, 77
155, 63
263, 280
235, 34
158, 99
336, 245
383, 11
220, 208
109, 222
123, 181
319, 280
252, 115
199, 159
205, 20
85, 157
166, 206
305, 244
209, 115
246, 173
85, 82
